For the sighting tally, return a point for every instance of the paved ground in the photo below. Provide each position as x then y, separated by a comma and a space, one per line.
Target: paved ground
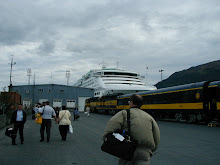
180, 144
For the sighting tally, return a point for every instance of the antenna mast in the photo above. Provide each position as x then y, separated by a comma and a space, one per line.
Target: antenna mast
103, 64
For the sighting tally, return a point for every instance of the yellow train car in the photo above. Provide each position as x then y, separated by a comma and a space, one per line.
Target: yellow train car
191, 102
92, 103
105, 104
109, 104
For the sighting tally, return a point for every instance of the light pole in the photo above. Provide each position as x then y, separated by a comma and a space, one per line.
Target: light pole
12, 63
29, 75
161, 74
67, 76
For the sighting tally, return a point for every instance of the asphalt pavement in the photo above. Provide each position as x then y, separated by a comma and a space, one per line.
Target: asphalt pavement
180, 144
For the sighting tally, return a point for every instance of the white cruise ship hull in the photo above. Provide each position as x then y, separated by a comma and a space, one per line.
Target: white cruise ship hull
122, 89
108, 81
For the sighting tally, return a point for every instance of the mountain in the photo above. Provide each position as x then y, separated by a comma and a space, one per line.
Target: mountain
204, 72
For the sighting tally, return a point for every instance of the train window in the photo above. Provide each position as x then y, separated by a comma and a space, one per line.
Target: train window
187, 96
173, 97
146, 100
123, 101
218, 93
165, 98
168, 98
212, 93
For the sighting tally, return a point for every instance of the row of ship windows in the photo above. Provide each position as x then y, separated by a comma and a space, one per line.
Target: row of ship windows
90, 82
116, 73
123, 77
121, 80
39, 90
127, 83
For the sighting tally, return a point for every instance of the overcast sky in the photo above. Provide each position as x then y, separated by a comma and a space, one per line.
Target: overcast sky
52, 36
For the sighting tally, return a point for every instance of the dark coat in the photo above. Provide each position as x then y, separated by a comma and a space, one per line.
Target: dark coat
14, 116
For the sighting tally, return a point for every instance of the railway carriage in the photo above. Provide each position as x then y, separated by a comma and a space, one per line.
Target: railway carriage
92, 103
109, 104
192, 102
105, 104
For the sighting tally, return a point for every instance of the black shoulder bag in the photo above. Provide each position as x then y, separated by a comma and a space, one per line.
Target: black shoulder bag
61, 118
10, 132
122, 149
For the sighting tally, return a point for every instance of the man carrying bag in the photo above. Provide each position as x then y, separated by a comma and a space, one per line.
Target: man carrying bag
120, 144
143, 129
18, 118
47, 113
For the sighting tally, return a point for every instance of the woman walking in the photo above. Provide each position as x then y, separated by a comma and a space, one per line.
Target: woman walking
64, 122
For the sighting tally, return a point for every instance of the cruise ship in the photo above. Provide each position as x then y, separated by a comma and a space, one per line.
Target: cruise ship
107, 81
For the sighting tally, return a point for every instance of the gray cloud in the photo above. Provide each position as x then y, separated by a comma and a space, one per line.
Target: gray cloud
46, 47
53, 36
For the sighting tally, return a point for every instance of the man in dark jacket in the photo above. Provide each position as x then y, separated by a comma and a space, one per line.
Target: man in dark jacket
18, 118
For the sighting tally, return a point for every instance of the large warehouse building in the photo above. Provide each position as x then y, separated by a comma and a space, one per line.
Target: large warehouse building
57, 95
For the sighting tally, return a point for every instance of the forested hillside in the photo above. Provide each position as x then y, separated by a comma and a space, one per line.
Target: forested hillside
205, 72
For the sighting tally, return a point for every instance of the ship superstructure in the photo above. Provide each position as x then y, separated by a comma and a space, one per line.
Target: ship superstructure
108, 81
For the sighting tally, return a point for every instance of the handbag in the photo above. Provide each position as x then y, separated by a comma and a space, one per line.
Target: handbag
123, 148
70, 128
39, 118
58, 120
10, 132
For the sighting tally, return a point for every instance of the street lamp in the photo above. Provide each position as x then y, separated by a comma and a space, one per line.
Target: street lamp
29, 75
12, 63
67, 76
161, 73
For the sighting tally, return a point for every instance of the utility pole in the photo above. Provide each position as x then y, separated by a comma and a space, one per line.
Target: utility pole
68, 76
34, 79
161, 74
33, 102
12, 63
29, 75
51, 77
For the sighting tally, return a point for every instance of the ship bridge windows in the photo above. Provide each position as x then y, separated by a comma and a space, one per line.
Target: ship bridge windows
123, 80
121, 74
89, 83
97, 74
119, 83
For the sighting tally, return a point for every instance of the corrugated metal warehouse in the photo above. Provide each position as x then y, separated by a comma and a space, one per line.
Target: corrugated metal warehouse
57, 95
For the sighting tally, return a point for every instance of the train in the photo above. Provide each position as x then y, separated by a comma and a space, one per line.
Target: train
192, 103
